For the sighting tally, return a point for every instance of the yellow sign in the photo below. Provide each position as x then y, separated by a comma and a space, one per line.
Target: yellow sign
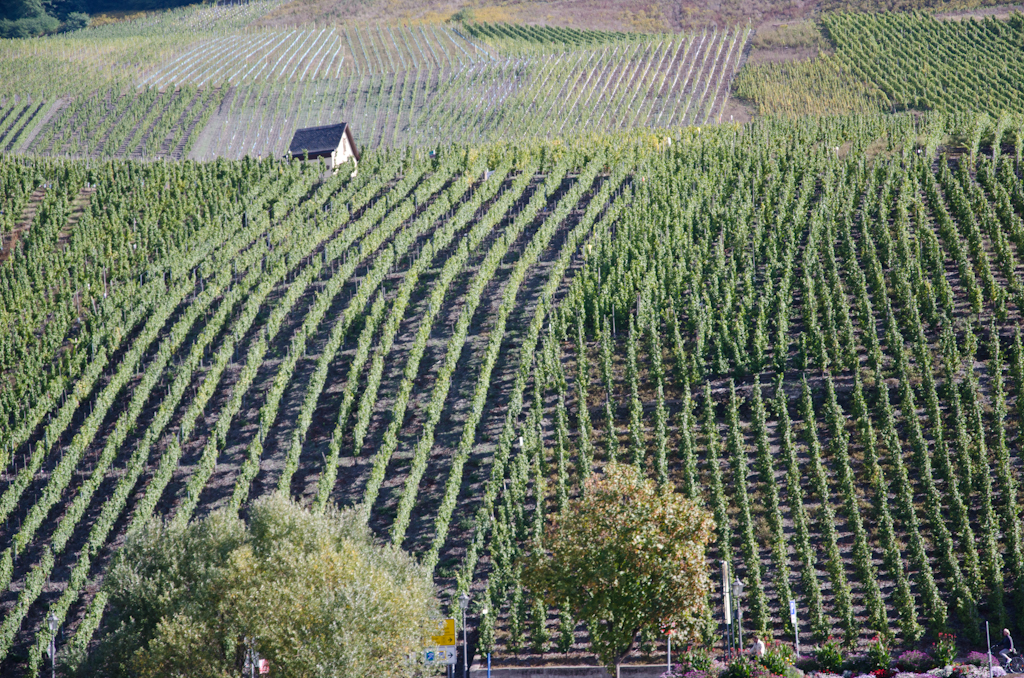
445, 632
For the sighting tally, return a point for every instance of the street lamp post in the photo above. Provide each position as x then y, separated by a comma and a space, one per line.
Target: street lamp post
53, 623
464, 604
737, 593
669, 634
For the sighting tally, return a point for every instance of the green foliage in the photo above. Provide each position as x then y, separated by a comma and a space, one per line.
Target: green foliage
740, 667
833, 564
625, 556
893, 61
516, 620
878, 654
696, 658
29, 18
737, 452
539, 634
718, 500
944, 649
829, 656
777, 658
186, 599
235, 288
503, 34
909, 6
566, 629
76, 21
807, 555
822, 86
28, 27
485, 633
22, 9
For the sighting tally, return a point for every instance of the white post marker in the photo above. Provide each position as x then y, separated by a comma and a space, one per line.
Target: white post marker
988, 641
727, 604
726, 601
796, 632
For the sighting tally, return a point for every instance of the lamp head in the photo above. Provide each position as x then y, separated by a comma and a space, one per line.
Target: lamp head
52, 622
737, 587
464, 601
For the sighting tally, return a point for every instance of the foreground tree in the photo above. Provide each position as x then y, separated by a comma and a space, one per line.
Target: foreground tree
310, 592
628, 557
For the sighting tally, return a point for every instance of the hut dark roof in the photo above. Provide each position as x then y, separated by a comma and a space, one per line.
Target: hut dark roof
321, 141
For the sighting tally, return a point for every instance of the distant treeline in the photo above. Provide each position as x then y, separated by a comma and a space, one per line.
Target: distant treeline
27, 18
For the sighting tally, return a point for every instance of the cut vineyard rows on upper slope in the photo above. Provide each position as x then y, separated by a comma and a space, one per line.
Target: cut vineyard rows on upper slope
893, 62
233, 93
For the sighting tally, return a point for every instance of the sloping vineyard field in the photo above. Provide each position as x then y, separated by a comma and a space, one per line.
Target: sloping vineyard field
824, 351
893, 62
811, 327
116, 54
540, 35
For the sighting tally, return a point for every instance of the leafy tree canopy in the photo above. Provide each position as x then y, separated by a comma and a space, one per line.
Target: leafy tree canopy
313, 592
21, 9
628, 556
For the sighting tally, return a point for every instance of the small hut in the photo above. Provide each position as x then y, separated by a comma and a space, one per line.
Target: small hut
333, 142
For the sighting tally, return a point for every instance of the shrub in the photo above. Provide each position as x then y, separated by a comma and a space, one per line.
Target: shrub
696, 659
829, 656
914, 661
27, 27
740, 667
777, 658
878, 655
944, 650
748, 666
76, 21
